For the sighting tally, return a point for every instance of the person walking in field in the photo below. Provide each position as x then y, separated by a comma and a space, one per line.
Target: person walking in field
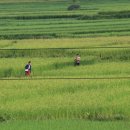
28, 69
77, 60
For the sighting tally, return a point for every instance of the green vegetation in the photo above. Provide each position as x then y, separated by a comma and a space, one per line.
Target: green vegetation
65, 99
50, 58
64, 67
113, 41
49, 35
64, 125
51, 19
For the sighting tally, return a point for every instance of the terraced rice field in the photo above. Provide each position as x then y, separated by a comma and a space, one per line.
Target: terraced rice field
59, 95
52, 19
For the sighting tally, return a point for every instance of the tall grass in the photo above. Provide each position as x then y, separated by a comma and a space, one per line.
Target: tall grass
20, 30
118, 41
64, 125
103, 54
58, 60
64, 67
51, 19
97, 100
65, 99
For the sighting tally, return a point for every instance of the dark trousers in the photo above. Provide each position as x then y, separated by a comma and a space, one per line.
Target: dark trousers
77, 63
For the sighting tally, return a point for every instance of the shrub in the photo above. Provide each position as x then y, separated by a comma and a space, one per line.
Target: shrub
74, 7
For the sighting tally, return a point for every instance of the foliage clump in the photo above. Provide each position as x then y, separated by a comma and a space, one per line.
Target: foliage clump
74, 7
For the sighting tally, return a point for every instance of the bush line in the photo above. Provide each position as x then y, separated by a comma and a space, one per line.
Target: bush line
99, 15
40, 17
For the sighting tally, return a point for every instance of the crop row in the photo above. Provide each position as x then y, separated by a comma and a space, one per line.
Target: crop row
119, 41
91, 66
120, 54
63, 30
100, 15
63, 99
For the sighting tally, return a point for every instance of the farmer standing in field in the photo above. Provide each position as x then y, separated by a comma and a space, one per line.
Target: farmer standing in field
28, 69
77, 60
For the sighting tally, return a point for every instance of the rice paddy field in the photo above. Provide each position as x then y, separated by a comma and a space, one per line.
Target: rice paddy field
59, 95
51, 19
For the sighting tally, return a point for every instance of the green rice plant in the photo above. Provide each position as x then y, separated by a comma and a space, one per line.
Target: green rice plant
112, 41
63, 125
55, 36
65, 99
52, 20
107, 54
64, 67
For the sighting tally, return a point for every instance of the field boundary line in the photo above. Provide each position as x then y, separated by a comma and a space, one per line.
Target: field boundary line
92, 78
125, 47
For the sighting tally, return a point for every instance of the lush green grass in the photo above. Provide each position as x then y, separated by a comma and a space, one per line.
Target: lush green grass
117, 41
64, 125
59, 62
64, 67
65, 99
54, 62
54, 99
30, 100
17, 1
51, 19
59, 28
